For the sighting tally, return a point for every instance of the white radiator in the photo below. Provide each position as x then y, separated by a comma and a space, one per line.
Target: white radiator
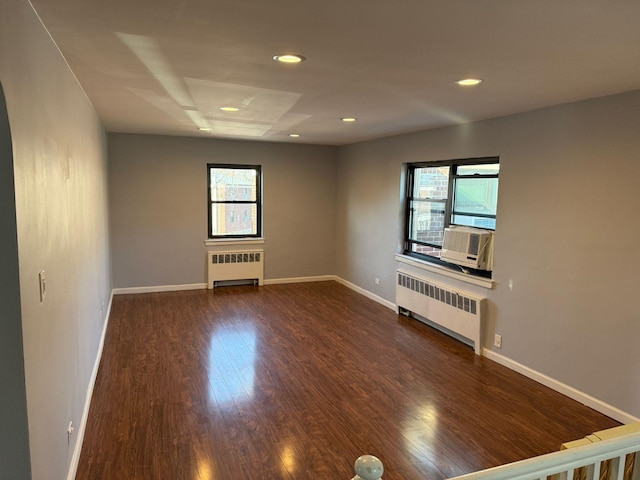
442, 306
224, 266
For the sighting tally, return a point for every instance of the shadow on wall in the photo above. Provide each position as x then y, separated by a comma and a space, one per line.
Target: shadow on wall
14, 441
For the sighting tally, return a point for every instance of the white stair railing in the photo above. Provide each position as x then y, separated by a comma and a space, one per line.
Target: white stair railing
616, 458
368, 467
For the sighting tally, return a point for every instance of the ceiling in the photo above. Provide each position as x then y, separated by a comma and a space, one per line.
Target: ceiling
166, 66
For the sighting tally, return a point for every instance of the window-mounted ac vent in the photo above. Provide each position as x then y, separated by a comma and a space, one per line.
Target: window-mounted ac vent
469, 247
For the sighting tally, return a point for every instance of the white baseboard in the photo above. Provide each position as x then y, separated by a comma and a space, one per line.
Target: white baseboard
270, 281
203, 286
73, 467
367, 294
560, 387
320, 278
159, 288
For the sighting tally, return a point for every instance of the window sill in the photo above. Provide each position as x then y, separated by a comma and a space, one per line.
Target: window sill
445, 272
212, 242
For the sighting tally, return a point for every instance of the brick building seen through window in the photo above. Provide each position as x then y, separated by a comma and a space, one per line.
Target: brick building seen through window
440, 194
234, 201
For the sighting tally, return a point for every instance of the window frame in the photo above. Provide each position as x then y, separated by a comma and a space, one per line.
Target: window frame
449, 203
257, 202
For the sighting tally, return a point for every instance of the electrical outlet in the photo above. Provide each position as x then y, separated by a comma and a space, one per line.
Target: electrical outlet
497, 341
377, 281
43, 285
69, 432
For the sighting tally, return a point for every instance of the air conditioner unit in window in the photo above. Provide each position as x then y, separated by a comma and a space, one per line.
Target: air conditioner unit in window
469, 247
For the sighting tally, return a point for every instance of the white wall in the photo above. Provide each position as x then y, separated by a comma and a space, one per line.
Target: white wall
59, 156
566, 266
158, 205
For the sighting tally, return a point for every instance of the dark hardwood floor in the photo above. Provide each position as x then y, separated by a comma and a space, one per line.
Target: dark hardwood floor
295, 382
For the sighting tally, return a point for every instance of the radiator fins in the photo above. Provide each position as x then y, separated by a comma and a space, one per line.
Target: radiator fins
440, 294
235, 258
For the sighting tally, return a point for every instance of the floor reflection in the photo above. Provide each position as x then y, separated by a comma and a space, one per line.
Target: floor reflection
420, 430
429, 437
288, 457
231, 368
205, 471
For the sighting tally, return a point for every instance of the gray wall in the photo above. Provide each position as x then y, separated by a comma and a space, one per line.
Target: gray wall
566, 263
158, 205
59, 160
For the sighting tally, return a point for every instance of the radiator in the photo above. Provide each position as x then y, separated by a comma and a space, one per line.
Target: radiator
442, 306
243, 265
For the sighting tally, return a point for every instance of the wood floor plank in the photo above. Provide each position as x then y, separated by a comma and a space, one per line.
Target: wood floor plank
296, 381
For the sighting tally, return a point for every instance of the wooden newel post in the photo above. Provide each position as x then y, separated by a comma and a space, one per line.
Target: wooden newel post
368, 467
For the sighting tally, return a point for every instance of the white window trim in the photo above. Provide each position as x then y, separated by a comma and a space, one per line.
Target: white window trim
444, 271
215, 242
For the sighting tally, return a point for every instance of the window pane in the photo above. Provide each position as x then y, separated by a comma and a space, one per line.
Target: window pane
427, 222
233, 184
476, 195
431, 182
479, 222
234, 219
431, 206
486, 169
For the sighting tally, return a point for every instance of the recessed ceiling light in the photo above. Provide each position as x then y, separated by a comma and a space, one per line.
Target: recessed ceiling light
289, 58
469, 82
348, 119
204, 129
294, 135
229, 109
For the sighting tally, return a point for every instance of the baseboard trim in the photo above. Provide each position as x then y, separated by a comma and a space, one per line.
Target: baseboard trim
203, 286
75, 458
318, 278
367, 294
562, 388
159, 288
270, 281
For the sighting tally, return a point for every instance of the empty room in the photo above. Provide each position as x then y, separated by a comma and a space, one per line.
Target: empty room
251, 240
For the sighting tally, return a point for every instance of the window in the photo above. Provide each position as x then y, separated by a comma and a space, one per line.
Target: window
234, 201
440, 194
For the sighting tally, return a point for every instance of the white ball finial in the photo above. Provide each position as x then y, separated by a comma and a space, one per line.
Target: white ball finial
368, 467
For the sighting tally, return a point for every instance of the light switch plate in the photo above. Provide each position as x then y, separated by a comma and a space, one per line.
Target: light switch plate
43, 285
